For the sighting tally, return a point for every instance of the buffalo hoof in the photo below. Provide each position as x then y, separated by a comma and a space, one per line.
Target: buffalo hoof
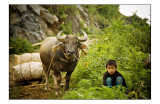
47, 89
66, 91
58, 93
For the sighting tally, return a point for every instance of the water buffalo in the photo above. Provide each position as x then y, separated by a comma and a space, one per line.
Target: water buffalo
61, 54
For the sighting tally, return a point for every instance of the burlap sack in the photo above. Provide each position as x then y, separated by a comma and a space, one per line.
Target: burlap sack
28, 71
27, 57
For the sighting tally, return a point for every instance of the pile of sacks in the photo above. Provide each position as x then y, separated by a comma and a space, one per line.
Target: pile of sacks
28, 67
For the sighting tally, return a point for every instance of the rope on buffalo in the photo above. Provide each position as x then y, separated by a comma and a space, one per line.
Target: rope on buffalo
72, 55
50, 64
75, 57
65, 56
51, 61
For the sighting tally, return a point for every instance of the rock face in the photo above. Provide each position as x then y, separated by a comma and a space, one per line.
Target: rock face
84, 15
30, 22
44, 13
36, 22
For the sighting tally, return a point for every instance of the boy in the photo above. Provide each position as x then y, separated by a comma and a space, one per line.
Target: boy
112, 77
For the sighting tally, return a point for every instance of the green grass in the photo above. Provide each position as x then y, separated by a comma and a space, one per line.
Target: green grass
88, 76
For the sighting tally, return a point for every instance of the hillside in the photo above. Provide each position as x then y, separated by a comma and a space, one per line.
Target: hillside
124, 39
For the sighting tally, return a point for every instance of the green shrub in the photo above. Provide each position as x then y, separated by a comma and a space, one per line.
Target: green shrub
19, 46
96, 93
129, 57
67, 27
84, 83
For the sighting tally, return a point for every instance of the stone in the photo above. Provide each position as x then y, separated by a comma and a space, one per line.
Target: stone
22, 8
44, 13
42, 24
84, 14
48, 17
32, 37
29, 22
36, 8
15, 18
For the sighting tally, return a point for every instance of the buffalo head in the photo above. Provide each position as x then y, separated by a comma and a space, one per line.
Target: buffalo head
71, 43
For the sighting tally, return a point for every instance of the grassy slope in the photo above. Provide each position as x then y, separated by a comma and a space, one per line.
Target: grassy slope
113, 44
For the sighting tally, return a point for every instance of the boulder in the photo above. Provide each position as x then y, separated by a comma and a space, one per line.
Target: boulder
21, 8
30, 22
48, 17
15, 18
31, 36
84, 14
44, 13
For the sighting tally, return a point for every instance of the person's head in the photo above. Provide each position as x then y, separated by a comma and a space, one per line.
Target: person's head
111, 66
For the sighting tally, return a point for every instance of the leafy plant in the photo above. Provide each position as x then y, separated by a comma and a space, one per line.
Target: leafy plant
88, 75
67, 27
20, 46
96, 93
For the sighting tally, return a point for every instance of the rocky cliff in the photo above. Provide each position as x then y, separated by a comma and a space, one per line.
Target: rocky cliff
36, 22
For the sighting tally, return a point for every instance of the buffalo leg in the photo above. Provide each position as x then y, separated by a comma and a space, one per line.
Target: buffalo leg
46, 73
47, 82
57, 80
67, 78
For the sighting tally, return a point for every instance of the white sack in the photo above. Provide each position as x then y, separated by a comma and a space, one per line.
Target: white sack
27, 57
28, 71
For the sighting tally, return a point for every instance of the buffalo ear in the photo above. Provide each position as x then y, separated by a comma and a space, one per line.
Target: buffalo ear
58, 46
83, 47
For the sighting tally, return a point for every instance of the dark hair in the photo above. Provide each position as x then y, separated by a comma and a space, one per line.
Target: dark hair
111, 62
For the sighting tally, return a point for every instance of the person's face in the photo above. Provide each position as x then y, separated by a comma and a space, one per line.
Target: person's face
111, 69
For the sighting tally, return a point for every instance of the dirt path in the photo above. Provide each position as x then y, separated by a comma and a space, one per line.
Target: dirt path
30, 89
31, 92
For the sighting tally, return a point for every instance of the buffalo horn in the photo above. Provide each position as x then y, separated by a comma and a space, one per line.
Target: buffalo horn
61, 38
83, 39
